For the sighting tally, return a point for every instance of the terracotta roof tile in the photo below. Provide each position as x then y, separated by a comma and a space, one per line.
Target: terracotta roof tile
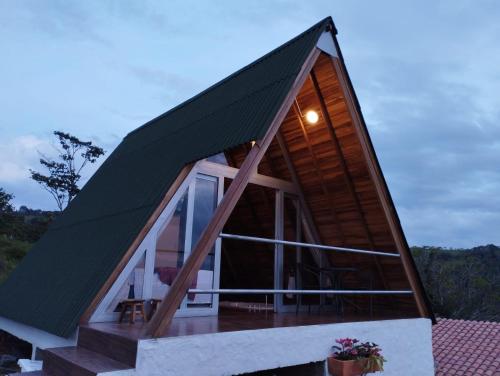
466, 347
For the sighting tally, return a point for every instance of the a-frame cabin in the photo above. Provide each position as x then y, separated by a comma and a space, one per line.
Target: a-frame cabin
249, 227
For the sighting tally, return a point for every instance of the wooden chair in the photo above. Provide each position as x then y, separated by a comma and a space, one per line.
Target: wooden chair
132, 307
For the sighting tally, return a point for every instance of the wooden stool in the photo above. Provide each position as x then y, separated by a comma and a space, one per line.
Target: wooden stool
136, 306
154, 305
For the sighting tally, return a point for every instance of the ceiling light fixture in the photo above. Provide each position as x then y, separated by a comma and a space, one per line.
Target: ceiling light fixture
312, 117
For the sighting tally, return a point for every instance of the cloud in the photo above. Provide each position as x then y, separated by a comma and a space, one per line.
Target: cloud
427, 82
17, 156
171, 86
439, 144
20, 154
59, 19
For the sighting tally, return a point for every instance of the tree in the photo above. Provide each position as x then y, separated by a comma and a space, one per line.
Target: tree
5, 205
6, 212
461, 283
63, 174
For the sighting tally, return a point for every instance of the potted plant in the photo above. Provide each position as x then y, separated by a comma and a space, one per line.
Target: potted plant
353, 358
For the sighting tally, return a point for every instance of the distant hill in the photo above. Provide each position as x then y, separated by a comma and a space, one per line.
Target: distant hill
461, 283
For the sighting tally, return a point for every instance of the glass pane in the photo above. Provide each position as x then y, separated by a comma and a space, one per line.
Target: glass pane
205, 202
169, 256
131, 288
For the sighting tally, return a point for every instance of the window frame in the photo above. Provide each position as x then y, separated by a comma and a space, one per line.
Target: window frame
148, 245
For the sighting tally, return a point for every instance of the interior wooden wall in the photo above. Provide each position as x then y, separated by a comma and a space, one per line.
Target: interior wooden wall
337, 187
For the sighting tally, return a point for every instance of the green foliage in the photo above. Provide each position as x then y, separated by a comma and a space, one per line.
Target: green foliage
460, 283
63, 174
25, 224
11, 253
5, 198
18, 231
375, 362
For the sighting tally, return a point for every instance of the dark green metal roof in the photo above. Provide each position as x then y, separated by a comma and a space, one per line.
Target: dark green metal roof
57, 280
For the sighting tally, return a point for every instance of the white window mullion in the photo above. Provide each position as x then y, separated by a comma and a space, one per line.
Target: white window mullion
149, 268
188, 241
218, 250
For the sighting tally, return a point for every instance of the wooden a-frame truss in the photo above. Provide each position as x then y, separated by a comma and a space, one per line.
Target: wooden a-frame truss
166, 310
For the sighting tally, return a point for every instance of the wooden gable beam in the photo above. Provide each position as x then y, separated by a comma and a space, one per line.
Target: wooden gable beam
165, 312
380, 185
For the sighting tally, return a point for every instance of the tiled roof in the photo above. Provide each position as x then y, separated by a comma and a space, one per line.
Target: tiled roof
466, 347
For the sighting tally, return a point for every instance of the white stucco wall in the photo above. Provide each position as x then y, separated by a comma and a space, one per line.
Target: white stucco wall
407, 344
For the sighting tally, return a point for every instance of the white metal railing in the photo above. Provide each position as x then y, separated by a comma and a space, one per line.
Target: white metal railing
306, 245
299, 292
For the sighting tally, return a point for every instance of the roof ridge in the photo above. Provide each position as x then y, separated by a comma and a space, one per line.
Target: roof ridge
327, 21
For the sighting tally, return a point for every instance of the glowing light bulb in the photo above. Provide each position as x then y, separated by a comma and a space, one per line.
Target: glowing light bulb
312, 117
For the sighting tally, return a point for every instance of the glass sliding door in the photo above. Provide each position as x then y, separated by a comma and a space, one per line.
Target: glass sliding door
163, 252
177, 238
204, 204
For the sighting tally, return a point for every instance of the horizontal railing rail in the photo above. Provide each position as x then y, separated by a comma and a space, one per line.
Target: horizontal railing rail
299, 292
306, 245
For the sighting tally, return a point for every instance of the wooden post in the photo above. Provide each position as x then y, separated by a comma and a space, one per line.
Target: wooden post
165, 313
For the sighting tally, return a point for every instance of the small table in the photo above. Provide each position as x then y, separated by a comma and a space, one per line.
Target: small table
135, 306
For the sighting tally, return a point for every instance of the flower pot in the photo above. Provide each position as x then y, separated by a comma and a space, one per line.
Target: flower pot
350, 367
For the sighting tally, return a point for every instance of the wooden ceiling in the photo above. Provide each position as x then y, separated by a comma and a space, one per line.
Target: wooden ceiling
337, 186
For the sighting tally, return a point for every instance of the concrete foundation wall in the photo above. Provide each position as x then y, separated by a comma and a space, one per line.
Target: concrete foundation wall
407, 345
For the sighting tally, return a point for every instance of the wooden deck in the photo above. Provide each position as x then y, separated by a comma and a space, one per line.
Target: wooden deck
228, 321
105, 347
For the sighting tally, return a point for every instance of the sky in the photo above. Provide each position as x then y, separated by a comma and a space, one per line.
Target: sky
426, 74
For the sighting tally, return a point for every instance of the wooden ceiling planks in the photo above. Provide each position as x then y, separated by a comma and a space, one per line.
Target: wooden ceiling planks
336, 182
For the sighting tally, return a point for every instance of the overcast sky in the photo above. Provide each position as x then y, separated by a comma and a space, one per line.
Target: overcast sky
427, 74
